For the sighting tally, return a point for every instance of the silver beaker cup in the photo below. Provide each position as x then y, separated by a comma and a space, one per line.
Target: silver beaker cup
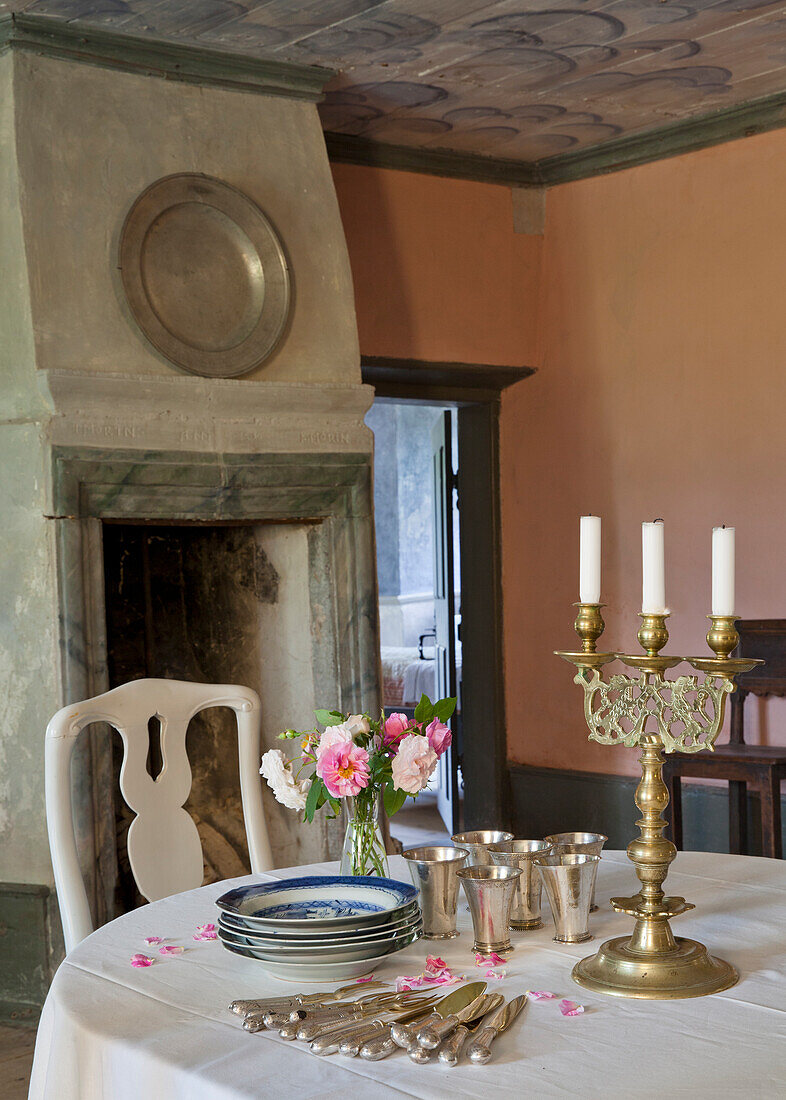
433, 871
569, 880
490, 891
477, 844
587, 844
525, 912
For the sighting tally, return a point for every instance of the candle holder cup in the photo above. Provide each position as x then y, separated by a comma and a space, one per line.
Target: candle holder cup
525, 911
656, 715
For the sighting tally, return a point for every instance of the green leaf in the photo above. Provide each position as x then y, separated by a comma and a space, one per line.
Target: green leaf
444, 709
394, 799
424, 711
335, 806
329, 717
317, 787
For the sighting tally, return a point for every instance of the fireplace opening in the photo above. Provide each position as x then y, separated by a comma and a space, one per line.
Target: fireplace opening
217, 603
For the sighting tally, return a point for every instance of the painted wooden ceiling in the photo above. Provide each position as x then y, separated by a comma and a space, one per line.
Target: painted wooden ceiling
521, 80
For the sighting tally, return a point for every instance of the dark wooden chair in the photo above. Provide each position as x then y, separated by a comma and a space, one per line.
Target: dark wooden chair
761, 767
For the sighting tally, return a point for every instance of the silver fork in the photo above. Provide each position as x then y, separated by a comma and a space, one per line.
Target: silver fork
269, 1004
315, 1026
258, 1021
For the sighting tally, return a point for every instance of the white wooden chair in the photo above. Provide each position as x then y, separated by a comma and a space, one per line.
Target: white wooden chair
164, 849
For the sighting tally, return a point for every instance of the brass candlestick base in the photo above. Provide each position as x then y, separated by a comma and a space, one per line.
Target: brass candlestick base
687, 715
686, 971
652, 963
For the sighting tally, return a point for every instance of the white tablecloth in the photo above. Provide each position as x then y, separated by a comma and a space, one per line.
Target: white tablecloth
111, 1031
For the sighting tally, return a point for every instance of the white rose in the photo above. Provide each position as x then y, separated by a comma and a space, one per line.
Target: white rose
358, 723
287, 790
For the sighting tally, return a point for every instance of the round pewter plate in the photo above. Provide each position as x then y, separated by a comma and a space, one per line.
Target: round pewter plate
205, 275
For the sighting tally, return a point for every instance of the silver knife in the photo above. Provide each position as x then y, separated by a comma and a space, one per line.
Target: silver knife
431, 1035
478, 1050
404, 1036
450, 1051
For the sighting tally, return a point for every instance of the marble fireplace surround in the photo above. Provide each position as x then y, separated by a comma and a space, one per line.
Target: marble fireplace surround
328, 491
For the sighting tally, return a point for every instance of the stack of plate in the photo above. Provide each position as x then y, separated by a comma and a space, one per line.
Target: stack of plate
321, 928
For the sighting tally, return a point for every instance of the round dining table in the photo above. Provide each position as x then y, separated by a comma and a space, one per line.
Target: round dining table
113, 1031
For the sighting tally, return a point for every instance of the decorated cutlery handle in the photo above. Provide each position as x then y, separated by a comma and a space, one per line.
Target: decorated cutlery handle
478, 1050
431, 1035
274, 1020
309, 1030
255, 1021
452, 1047
267, 1004
350, 1045
405, 1036
377, 1049
331, 1041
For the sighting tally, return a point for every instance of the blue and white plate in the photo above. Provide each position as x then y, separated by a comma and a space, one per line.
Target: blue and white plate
319, 902
347, 952
305, 937
318, 971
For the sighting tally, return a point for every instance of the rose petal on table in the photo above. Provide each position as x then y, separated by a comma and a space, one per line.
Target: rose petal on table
206, 932
489, 960
436, 965
154, 939
171, 950
541, 995
499, 974
570, 1008
359, 981
141, 960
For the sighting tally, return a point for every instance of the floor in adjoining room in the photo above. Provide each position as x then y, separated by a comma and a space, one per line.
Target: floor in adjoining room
418, 823
16, 1060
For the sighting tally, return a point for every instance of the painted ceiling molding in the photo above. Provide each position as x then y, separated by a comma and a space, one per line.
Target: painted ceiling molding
519, 91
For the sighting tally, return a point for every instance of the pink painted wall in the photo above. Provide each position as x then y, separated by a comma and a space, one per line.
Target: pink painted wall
654, 309
439, 273
662, 392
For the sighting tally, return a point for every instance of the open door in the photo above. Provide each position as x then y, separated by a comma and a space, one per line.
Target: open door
443, 483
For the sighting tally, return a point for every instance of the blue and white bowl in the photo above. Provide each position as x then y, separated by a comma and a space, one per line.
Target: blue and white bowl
319, 903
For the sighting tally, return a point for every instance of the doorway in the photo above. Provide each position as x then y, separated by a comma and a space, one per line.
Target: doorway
418, 571
459, 405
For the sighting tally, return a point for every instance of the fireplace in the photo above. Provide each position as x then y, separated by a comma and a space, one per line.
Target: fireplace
244, 502
265, 579
211, 603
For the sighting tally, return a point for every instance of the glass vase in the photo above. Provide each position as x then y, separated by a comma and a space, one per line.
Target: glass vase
364, 849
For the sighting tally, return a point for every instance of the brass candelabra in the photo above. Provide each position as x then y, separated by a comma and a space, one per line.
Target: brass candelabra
656, 715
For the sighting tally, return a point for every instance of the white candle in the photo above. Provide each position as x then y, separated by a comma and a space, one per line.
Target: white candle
723, 570
589, 559
653, 571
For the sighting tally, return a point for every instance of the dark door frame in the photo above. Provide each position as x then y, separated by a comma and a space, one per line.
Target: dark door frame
475, 390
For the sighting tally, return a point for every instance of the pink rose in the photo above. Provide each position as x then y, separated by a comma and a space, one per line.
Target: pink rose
345, 769
413, 763
439, 736
396, 728
333, 735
